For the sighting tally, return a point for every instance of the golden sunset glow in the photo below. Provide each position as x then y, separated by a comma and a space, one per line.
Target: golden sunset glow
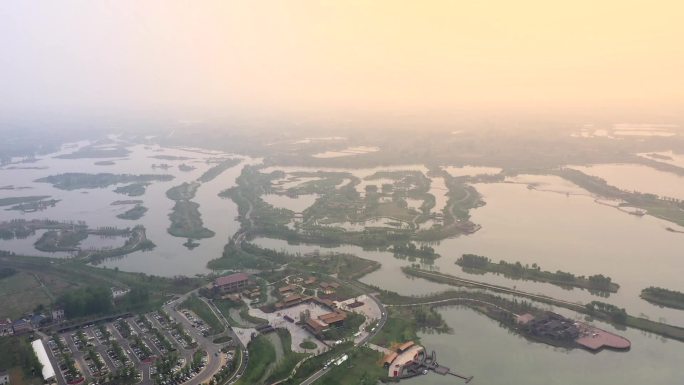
304, 56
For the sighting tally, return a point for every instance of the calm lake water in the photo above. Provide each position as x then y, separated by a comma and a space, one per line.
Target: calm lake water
634, 177
94, 206
478, 346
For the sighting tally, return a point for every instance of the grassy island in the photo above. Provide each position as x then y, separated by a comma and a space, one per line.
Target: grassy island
92, 151
21, 200
182, 191
410, 250
77, 180
29, 203
659, 207
664, 297
186, 220
133, 189
61, 240
133, 213
215, 171
472, 263
393, 208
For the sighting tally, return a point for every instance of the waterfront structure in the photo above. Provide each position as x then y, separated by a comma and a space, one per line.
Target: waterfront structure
554, 327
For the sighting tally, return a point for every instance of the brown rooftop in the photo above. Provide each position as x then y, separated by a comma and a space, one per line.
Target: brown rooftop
287, 288
316, 325
331, 318
405, 345
230, 279
390, 358
293, 297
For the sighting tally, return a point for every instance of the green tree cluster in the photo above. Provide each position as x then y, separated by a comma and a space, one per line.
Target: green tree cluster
86, 301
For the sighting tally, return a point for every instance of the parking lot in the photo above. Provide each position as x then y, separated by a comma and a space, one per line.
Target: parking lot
148, 349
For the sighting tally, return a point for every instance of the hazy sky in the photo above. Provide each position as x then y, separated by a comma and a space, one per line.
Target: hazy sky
184, 59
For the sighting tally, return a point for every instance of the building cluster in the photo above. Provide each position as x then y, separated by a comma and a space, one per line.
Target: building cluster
550, 325
29, 322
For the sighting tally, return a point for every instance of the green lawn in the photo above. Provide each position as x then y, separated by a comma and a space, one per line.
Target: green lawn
20, 293
261, 355
289, 360
17, 356
397, 329
362, 368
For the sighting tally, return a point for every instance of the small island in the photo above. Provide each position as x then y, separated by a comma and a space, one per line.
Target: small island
79, 180
663, 297
29, 204
20, 200
61, 240
127, 202
132, 190
169, 157
133, 213
186, 220
186, 167
410, 250
93, 151
215, 171
472, 263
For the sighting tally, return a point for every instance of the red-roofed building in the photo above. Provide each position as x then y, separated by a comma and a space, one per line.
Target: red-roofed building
232, 283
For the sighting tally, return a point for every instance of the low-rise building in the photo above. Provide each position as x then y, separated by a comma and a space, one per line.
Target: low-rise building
232, 283
327, 288
57, 314
316, 326
48, 371
335, 318
287, 290
37, 320
118, 292
21, 326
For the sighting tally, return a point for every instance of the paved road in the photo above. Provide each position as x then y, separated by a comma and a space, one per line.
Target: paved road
213, 364
242, 365
500, 289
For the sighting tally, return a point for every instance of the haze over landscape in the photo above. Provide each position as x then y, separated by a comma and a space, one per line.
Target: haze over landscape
341, 192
